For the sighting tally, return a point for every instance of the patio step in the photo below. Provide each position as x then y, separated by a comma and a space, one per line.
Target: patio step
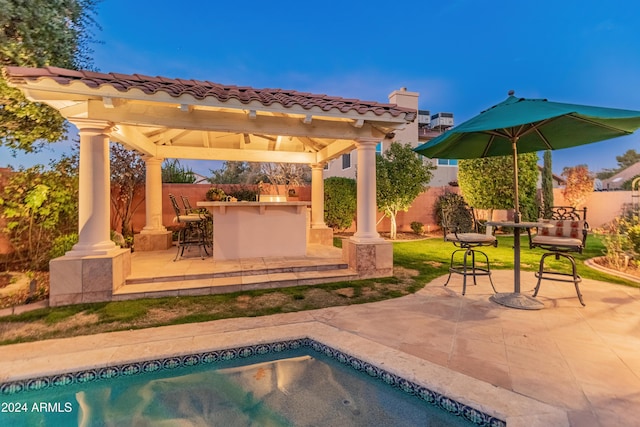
234, 281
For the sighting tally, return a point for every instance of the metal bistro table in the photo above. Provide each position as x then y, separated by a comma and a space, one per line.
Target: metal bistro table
516, 299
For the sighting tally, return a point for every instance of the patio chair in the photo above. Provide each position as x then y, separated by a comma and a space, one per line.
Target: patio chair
203, 212
193, 233
567, 235
461, 228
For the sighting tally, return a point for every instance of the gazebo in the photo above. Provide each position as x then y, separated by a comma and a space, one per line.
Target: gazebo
191, 119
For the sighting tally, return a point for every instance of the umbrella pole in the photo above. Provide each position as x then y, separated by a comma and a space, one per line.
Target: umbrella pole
516, 218
515, 299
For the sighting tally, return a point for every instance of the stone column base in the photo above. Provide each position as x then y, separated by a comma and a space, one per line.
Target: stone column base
75, 280
321, 236
146, 242
369, 259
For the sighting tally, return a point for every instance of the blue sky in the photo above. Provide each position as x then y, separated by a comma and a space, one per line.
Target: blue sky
461, 56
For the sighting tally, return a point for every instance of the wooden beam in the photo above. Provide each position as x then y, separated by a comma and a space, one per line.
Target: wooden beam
231, 154
133, 138
218, 121
308, 142
335, 149
108, 102
78, 110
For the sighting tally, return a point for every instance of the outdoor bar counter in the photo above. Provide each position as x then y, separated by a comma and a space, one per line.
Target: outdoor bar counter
258, 229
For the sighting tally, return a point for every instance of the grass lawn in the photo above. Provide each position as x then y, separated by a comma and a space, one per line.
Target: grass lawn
416, 263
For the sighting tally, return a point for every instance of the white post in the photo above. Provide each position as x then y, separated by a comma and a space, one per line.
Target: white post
366, 184
317, 196
94, 190
153, 196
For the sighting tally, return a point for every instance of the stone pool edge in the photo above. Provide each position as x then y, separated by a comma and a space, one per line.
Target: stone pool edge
516, 410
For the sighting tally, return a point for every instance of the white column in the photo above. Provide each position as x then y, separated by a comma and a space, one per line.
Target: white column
94, 190
317, 196
366, 184
153, 196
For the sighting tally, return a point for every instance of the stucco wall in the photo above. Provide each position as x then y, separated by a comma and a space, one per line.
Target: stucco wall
602, 206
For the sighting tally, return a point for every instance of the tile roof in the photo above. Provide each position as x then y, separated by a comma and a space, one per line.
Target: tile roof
203, 89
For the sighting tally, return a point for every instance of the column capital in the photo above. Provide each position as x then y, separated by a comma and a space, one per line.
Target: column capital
367, 142
152, 159
92, 126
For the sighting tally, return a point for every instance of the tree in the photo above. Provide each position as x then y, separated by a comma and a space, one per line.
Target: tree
173, 172
127, 188
40, 205
401, 176
487, 183
39, 33
547, 183
579, 184
631, 157
237, 173
340, 202
286, 174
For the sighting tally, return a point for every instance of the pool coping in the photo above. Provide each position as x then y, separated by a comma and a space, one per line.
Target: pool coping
515, 409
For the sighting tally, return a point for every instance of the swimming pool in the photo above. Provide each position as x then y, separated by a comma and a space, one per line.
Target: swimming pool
264, 384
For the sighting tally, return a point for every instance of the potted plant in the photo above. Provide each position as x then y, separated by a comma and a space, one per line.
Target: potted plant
215, 194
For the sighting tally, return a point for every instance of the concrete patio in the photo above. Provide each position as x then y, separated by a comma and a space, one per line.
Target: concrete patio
582, 360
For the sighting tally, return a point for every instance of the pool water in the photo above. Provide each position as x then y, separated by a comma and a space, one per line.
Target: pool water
296, 387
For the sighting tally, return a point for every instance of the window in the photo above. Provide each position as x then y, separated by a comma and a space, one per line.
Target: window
379, 148
447, 162
346, 161
326, 166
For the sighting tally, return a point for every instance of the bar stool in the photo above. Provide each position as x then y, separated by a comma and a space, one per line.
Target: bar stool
193, 233
207, 216
460, 227
567, 235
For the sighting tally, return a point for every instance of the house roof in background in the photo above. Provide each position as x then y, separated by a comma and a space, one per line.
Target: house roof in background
621, 177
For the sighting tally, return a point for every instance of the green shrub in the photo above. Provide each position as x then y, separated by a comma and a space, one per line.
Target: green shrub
244, 193
174, 172
634, 236
339, 202
62, 245
621, 241
417, 227
451, 201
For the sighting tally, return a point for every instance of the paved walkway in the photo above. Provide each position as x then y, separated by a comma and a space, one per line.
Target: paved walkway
584, 360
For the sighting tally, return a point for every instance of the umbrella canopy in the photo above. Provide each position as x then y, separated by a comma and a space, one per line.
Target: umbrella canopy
535, 124
520, 125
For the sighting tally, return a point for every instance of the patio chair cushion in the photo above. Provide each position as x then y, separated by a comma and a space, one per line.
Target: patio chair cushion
470, 238
188, 218
557, 241
562, 228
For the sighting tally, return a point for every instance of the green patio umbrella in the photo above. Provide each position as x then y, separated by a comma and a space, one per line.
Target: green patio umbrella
520, 125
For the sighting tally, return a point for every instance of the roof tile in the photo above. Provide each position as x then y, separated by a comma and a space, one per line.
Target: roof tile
203, 89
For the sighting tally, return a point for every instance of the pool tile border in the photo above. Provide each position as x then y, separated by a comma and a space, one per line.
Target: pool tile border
427, 395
